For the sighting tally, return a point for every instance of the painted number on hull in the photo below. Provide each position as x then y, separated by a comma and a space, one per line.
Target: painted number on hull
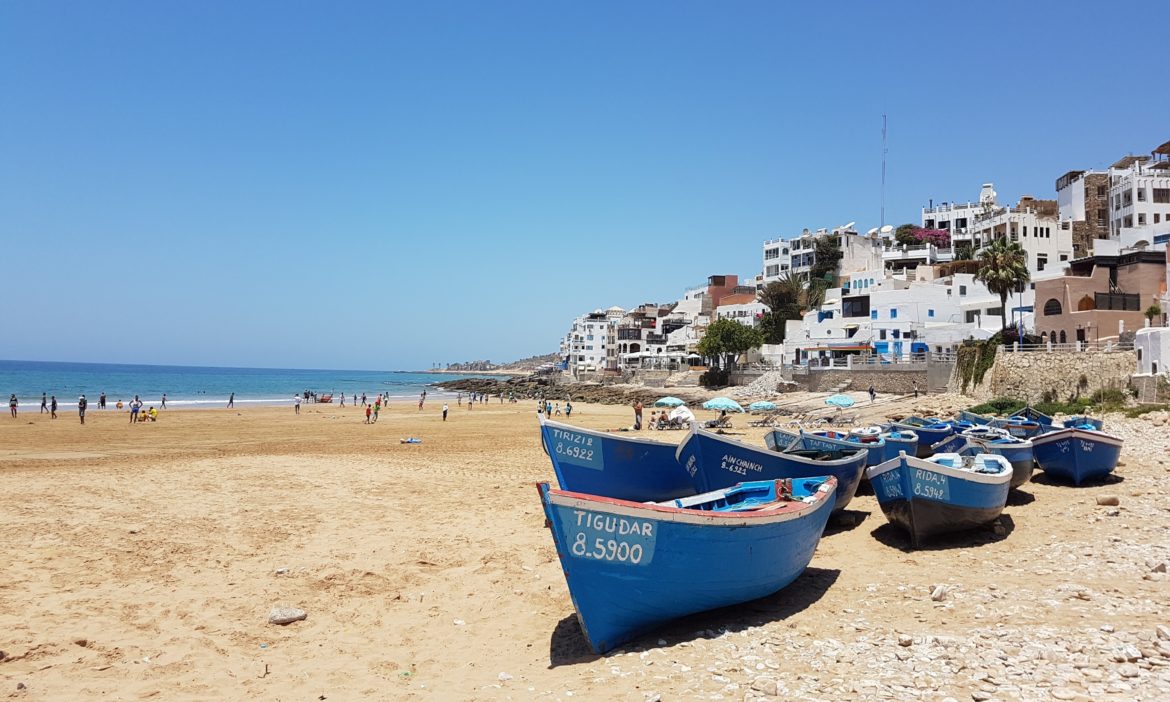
579, 449
739, 465
890, 483
931, 485
606, 537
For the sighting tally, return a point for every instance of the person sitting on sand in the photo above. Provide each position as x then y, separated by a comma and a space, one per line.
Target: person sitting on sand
153, 414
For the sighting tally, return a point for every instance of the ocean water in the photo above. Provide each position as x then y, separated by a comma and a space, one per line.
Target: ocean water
196, 386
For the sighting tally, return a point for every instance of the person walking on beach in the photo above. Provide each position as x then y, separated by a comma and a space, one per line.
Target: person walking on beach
343, 399
568, 408
44, 404
376, 408
637, 415
12, 403
81, 405
232, 401
872, 394
444, 411
459, 399
421, 399
296, 404
363, 399
53, 407
164, 401
915, 391
102, 401
558, 409
369, 411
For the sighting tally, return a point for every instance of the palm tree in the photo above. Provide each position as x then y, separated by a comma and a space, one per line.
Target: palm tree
1004, 270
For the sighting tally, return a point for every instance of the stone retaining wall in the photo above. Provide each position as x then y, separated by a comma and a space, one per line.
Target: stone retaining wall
1060, 374
900, 382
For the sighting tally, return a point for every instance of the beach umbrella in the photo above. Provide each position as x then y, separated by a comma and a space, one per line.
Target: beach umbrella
669, 402
722, 403
683, 413
762, 405
839, 401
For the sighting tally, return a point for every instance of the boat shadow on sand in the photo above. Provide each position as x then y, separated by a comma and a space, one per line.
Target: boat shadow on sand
1103, 481
568, 646
896, 537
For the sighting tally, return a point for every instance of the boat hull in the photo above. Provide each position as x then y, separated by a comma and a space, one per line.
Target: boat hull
631, 567
1077, 455
929, 500
713, 462
602, 464
927, 437
899, 444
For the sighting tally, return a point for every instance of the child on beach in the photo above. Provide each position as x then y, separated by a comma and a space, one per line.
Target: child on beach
444, 411
369, 411
376, 408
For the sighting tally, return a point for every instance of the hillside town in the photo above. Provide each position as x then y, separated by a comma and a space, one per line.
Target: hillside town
1086, 269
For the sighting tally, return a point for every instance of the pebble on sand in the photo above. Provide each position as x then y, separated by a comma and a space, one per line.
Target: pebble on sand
286, 615
1108, 500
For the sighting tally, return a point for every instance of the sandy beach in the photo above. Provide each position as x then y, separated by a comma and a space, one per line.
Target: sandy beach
142, 562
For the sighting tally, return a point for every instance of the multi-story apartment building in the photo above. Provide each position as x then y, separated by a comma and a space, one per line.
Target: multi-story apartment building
777, 259
1139, 196
1035, 225
590, 346
1082, 199
959, 217
798, 254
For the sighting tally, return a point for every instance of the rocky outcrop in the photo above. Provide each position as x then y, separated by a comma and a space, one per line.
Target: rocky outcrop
531, 387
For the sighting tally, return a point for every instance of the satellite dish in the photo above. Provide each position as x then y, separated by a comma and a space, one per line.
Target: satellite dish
887, 229
849, 226
871, 232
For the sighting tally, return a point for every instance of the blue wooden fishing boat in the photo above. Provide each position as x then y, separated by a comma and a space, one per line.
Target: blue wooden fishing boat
871, 438
945, 493
847, 441
1018, 452
611, 465
780, 439
899, 440
1081, 421
632, 566
955, 443
972, 418
1077, 455
714, 462
1019, 427
1032, 414
930, 431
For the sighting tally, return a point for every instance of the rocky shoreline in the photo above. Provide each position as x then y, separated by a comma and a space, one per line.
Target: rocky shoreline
534, 387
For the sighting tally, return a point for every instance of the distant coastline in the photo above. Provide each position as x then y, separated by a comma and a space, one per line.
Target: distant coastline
503, 373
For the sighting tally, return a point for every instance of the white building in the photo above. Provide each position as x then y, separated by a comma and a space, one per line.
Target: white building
590, 345
958, 218
1152, 345
798, 254
1139, 199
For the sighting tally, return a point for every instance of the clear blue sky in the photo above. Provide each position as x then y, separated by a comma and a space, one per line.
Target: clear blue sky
387, 185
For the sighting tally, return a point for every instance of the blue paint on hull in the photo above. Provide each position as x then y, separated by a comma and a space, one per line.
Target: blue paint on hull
595, 463
927, 501
662, 568
1077, 455
713, 462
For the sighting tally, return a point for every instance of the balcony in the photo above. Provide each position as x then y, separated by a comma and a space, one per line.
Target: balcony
629, 333
655, 338
950, 207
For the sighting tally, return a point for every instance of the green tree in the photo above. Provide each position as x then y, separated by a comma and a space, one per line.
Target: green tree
726, 339
964, 251
904, 235
826, 256
1152, 312
1003, 268
783, 299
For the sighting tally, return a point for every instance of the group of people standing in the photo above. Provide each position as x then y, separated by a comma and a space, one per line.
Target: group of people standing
546, 408
49, 405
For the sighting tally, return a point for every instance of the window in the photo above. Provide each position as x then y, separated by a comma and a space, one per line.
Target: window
1117, 202
1100, 191
881, 333
1141, 194
769, 254
873, 314
893, 313
897, 333
1052, 308
971, 317
1157, 217
930, 313
1141, 218
1063, 337
772, 271
1127, 221
1041, 261
1161, 195
962, 290
1102, 217
1063, 257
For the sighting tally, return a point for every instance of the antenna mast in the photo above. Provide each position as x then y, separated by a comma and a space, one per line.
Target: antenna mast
884, 151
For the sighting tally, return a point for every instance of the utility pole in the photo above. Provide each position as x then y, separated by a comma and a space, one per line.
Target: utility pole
884, 152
